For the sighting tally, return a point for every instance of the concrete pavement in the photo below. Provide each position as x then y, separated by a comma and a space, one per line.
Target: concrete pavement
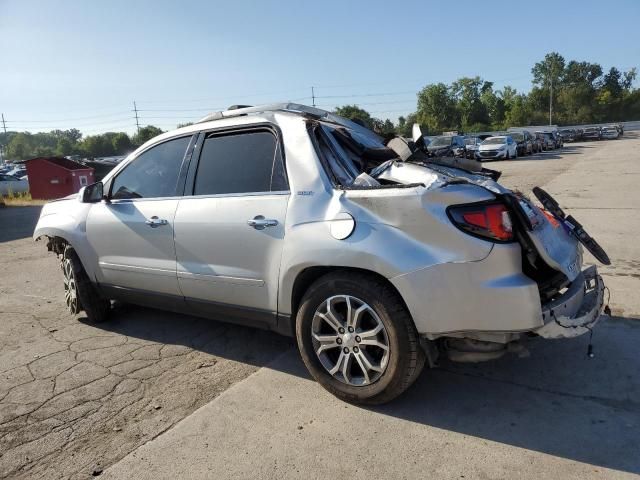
555, 414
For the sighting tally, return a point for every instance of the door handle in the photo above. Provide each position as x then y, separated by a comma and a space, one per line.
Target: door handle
260, 223
154, 222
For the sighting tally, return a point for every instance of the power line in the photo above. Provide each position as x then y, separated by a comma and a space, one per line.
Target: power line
120, 113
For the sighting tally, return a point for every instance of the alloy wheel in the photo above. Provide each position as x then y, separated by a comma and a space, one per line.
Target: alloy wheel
350, 340
70, 286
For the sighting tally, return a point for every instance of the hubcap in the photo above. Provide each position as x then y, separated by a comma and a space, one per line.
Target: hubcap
350, 340
70, 286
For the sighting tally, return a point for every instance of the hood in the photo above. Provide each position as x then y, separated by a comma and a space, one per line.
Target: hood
491, 146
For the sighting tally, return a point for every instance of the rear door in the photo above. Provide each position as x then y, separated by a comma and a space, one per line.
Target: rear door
132, 233
229, 234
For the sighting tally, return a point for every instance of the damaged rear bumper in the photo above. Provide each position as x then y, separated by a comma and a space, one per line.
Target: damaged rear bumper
577, 310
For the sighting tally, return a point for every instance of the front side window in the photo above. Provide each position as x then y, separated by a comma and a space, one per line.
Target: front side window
244, 162
154, 173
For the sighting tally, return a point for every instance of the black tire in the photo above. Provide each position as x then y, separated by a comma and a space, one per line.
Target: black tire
88, 298
405, 358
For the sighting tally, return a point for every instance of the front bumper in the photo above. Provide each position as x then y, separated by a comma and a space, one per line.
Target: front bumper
577, 311
491, 154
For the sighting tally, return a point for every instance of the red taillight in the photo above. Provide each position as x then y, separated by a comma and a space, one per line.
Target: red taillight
489, 220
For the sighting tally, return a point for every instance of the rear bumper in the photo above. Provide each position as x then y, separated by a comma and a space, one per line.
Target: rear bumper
577, 310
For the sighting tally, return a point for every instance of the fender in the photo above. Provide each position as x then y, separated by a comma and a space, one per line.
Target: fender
67, 219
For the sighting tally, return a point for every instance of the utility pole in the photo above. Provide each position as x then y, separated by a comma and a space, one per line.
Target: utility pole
313, 97
551, 101
4, 124
135, 110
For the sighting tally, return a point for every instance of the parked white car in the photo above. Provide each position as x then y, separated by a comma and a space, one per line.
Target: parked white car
610, 133
498, 148
10, 184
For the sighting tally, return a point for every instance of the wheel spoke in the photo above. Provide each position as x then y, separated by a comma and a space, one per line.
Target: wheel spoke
368, 363
365, 370
327, 342
338, 365
356, 315
374, 343
373, 333
346, 368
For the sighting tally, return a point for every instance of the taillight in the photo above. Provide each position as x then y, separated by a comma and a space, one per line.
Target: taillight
486, 220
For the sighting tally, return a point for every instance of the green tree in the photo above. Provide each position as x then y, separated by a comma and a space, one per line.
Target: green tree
145, 134
467, 94
121, 143
353, 112
437, 108
65, 147
20, 147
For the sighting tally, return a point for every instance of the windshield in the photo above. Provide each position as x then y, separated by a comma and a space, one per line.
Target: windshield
494, 141
517, 136
471, 141
440, 142
590, 129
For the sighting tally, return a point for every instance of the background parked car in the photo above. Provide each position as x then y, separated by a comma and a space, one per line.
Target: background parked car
548, 142
567, 134
10, 184
558, 139
472, 143
592, 133
501, 147
524, 142
447, 146
538, 142
610, 132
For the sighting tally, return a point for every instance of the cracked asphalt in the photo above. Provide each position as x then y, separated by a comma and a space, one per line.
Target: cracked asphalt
150, 394
75, 398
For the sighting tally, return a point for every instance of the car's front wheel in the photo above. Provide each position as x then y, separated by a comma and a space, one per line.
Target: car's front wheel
79, 293
357, 338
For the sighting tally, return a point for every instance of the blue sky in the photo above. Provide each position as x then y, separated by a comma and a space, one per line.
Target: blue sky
82, 63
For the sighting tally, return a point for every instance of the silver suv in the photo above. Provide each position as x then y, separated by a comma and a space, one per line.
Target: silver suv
376, 257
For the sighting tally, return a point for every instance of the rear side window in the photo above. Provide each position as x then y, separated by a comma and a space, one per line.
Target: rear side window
240, 163
154, 173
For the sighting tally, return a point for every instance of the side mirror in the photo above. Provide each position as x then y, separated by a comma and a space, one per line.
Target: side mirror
92, 193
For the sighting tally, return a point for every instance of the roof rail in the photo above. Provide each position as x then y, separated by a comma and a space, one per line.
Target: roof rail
273, 107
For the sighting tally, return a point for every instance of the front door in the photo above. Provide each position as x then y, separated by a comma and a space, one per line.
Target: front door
132, 233
229, 235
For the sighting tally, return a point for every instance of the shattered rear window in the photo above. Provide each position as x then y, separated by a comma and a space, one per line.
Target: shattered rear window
349, 153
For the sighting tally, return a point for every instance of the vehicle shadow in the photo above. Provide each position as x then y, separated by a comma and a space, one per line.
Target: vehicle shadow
557, 401
230, 341
18, 222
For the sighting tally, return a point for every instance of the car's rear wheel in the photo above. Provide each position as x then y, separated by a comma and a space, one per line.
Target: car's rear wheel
357, 338
79, 292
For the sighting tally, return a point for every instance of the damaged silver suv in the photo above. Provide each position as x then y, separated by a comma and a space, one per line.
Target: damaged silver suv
377, 257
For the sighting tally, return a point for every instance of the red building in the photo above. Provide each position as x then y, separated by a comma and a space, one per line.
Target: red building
56, 177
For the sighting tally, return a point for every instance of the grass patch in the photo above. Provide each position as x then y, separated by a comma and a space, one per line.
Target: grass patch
20, 200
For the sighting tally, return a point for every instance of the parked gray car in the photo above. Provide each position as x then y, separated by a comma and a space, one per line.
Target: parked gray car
375, 257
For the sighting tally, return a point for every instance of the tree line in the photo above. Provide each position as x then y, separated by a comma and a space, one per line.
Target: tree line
25, 145
581, 93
